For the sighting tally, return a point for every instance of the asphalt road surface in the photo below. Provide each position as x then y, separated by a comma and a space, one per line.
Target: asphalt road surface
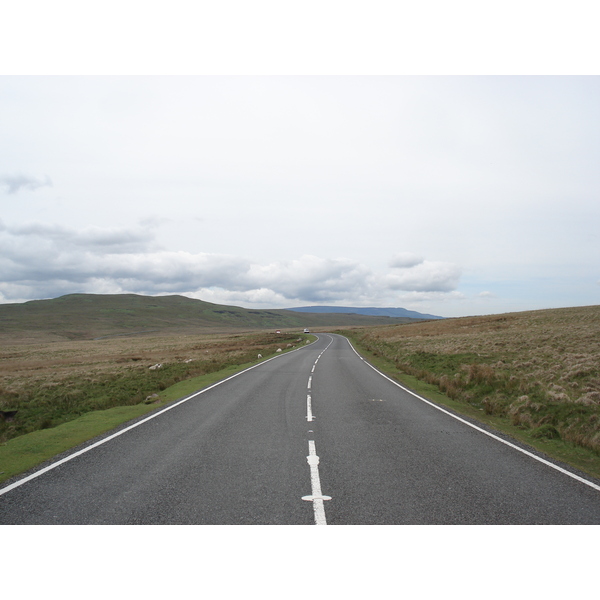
313, 436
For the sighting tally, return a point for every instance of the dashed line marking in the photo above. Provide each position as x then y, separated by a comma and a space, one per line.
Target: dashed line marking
317, 497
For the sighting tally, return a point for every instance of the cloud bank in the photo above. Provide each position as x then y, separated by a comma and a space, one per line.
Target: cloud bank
40, 260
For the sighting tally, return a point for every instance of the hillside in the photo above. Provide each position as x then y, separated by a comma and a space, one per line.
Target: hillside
367, 310
87, 316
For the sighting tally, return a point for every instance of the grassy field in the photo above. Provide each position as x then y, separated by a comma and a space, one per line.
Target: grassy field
534, 374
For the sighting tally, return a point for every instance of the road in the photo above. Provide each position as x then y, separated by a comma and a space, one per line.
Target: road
313, 436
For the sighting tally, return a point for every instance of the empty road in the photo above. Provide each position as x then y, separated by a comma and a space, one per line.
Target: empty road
314, 436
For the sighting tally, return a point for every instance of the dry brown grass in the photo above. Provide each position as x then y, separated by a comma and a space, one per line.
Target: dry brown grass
560, 348
50, 363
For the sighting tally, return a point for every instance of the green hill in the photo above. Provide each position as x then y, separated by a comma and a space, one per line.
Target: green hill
87, 316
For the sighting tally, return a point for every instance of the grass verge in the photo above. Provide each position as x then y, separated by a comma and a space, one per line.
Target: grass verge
583, 459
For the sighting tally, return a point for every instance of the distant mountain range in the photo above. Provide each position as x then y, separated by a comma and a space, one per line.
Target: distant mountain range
370, 311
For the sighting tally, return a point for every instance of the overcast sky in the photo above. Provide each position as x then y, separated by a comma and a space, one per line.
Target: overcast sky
451, 195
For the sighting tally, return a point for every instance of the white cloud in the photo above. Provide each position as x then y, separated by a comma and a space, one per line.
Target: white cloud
15, 183
259, 298
62, 238
405, 260
310, 277
427, 276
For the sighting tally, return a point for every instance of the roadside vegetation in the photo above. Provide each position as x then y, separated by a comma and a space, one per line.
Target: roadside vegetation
538, 372
44, 385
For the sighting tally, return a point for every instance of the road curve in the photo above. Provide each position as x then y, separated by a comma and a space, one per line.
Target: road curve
313, 436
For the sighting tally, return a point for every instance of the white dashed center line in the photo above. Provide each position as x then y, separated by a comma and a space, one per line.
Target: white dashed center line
317, 497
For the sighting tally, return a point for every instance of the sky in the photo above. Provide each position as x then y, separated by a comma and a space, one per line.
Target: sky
451, 194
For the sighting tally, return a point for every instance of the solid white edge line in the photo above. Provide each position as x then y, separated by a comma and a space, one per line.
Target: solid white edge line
20, 482
499, 439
